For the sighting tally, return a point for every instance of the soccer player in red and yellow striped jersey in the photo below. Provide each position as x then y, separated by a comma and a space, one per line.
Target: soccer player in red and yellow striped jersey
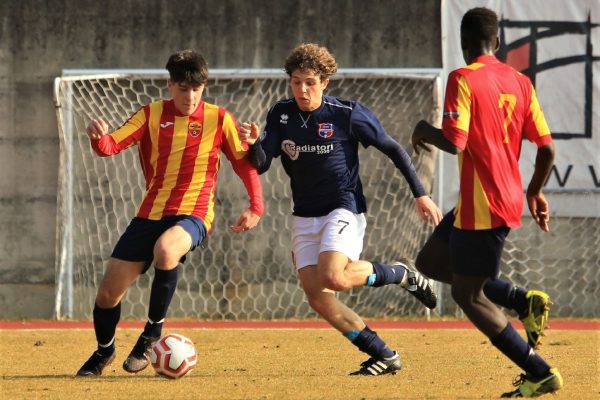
489, 107
180, 142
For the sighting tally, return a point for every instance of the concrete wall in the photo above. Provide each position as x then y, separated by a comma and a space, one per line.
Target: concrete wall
40, 38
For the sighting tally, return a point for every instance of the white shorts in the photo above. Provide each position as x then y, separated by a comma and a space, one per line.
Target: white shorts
340, 230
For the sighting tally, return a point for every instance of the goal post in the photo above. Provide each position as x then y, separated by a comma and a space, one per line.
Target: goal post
245, 276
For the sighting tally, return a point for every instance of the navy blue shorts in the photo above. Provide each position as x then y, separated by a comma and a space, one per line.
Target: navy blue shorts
472, 252
137, 242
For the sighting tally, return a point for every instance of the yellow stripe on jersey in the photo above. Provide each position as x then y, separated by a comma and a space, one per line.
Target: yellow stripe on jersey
200, 166
463, 106
180, 133
231, 135
133, 124
538, 116
474, 66
483, 218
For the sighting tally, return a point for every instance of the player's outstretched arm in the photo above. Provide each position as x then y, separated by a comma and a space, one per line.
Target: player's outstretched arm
102, 143
428, 210
246, 221
538, 206
425, 134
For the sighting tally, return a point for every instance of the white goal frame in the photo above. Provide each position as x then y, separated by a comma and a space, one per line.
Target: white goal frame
64, 262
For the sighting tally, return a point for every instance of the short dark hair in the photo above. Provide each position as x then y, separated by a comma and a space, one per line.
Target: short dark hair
479, 25
188, 66
311, 57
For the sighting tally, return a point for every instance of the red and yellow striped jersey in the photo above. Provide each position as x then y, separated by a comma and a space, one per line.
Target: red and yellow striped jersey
488, 108
180, 158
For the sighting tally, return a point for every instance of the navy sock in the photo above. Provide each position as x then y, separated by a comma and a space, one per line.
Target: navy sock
105, 327
503, 293
163, 288
368, 342
512, 345
384, 274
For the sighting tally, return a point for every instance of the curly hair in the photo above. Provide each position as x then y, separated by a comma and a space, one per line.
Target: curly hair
479, 25
312, 57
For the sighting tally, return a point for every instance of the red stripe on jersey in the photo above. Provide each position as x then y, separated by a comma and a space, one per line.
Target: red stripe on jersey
144, 151
202, 206
186, 170
467, 195
165, 139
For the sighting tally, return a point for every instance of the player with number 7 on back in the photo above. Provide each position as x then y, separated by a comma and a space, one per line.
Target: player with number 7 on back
317, 138
180, 142
488, 109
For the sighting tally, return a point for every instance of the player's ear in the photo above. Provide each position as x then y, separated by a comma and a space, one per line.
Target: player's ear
324, 83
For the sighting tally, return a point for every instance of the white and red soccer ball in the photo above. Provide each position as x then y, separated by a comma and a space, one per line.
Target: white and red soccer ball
173, 356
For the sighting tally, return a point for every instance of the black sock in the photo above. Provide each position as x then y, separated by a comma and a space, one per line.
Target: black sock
105, 327
516, 348
503, 293
368, 342
163, 288
384, 274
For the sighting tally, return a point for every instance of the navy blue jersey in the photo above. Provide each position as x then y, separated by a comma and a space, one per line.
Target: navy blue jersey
319, 152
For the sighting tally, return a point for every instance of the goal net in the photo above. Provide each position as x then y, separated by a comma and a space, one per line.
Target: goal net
246, 276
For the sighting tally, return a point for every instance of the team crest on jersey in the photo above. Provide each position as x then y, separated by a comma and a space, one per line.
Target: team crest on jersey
195, 128
283, 119
326, 130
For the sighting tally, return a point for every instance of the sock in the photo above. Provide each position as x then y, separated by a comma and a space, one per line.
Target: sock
503, 293
105, 327
512, 345
163, 288
384, 274
368, 342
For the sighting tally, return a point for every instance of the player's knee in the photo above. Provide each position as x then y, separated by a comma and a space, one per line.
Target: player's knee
165, 257
107, 297
335, 282
464, 298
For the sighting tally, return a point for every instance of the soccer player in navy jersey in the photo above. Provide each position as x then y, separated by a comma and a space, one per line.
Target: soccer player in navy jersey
317, 137
489, 108
180, 141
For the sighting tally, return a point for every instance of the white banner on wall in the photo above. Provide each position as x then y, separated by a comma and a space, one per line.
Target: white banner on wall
557, 44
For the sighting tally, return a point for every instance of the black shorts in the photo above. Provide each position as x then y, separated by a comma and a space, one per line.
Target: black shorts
472, 252
138, 240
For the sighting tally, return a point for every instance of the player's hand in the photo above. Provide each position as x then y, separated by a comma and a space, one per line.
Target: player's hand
428, 210
96, 129
418, 138
538, 206
246, 221
249, 132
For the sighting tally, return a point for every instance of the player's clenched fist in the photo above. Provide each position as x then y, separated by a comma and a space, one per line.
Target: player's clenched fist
97, 128
249, 132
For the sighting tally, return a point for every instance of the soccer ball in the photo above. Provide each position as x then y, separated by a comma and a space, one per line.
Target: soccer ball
173, 356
